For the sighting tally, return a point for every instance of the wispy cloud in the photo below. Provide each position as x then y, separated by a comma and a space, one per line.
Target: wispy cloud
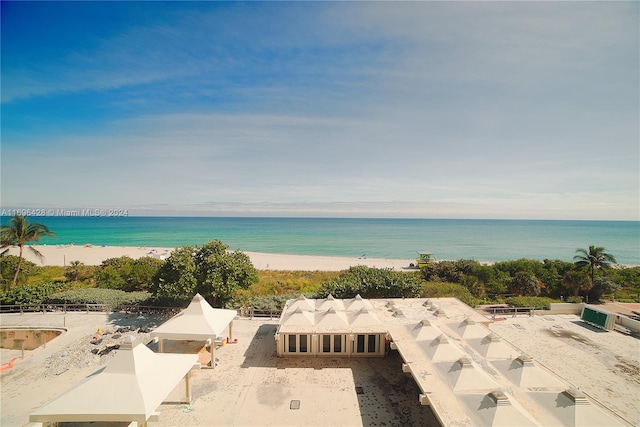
449, 109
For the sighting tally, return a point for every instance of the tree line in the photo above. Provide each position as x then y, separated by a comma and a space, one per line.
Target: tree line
589, 277
225, 277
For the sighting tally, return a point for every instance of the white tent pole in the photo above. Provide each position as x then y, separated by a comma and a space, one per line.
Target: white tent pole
187, 383
213, 350
231, 331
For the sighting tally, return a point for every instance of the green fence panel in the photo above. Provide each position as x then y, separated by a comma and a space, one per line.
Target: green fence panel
595, 317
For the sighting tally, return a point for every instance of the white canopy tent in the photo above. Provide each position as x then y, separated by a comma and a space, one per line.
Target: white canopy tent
199, 322
129, 389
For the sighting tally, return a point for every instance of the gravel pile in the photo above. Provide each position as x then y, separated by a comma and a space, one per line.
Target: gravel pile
99, 348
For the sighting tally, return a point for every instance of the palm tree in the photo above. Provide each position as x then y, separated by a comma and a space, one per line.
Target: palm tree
18, 233
577, 280
73, 271
594, 258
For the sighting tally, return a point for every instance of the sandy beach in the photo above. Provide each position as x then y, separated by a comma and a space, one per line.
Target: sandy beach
94, 255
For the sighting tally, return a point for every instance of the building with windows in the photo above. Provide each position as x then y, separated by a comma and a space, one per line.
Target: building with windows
330, 327
466, 373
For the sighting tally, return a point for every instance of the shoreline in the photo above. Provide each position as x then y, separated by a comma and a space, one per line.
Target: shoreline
63, 255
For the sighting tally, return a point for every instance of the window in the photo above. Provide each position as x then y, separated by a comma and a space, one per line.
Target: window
367, 343
337, 343
371, 344
326, 343
303, 343
292, 343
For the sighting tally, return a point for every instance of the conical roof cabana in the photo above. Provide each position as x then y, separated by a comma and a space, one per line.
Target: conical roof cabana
199, 321
132, 386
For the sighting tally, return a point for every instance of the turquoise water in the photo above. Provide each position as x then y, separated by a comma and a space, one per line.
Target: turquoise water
483, 240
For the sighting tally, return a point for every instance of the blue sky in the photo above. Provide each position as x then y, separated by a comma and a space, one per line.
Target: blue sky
405, 109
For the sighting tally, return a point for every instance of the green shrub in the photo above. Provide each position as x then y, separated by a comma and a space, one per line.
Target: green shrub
539, 303
274, 302
210, 270
30, 294
8, 266
446, 289
166, 301
113, 298
371, 283
127, 274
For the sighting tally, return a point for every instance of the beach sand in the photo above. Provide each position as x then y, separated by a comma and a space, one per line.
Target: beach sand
94, 255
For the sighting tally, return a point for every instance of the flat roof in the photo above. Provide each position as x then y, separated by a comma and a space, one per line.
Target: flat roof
467, 374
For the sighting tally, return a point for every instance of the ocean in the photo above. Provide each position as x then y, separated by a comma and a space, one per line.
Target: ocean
482, 240
478, 239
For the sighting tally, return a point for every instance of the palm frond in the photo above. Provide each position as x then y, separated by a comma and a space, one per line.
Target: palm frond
36, 252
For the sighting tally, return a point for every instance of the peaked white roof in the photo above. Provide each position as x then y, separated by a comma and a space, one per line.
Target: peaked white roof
572, 408
128, 389
357, 303
425, 331
365, 320
496, 409
199, 321
441, 350
299, 317
329, 302
329, 315
523, 372
331, 321
302, 303
464, 376
469, 329
492, 347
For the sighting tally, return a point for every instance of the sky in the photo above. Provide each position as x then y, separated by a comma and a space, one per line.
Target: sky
524, 110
